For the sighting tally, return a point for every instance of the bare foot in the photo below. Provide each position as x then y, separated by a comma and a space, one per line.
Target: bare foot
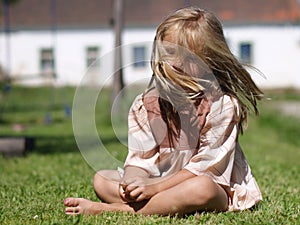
76, 206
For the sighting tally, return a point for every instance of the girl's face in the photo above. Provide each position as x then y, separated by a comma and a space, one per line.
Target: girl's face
172, 53
179, 57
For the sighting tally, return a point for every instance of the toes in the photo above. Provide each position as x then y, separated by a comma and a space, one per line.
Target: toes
72, 211
71, 202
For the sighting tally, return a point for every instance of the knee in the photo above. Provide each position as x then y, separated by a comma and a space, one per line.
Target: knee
205, 190
99, 179
99, 183
105, 177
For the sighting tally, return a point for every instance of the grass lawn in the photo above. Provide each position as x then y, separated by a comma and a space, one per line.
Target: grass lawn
32, 188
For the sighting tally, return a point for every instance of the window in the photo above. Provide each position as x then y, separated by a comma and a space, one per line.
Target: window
139, 57
246, 52
47, 61
92, 57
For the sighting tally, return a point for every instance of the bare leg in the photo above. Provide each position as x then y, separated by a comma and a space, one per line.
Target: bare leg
106, 186
196, 194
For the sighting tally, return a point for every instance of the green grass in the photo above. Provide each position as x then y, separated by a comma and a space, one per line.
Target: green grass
32, 188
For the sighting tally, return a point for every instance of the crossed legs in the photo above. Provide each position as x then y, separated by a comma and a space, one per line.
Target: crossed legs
195, 194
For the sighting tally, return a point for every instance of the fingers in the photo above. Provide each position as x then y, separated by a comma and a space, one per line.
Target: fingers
130, 194
136, 194
131, 189
122, 194
129, 184
140, 198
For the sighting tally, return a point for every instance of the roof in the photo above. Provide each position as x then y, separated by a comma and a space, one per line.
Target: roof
37, 14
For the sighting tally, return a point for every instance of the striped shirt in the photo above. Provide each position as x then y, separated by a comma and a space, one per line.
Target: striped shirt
207, 145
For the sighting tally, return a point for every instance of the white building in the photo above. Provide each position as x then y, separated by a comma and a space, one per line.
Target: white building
68, 36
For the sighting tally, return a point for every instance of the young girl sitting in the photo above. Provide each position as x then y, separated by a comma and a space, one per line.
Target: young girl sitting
184, 155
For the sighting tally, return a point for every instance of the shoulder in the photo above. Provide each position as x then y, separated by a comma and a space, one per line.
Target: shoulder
137, 103
137, 116
144, 107
150, 101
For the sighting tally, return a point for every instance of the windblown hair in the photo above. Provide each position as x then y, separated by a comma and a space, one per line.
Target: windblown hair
195, 62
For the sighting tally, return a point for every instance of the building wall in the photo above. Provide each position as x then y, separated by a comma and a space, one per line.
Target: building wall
70, 53
275, 50
276, 53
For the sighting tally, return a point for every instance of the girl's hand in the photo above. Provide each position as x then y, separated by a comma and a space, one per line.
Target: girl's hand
138, 189
123, 190
124, 195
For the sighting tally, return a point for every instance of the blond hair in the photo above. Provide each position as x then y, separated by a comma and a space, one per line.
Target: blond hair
199, 32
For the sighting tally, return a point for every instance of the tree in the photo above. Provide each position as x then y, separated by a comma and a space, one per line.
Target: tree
118, 82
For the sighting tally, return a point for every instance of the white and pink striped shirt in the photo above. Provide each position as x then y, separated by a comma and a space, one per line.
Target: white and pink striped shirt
207, 145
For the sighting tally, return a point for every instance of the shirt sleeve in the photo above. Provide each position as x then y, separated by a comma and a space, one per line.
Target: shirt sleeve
218, 140
142, 147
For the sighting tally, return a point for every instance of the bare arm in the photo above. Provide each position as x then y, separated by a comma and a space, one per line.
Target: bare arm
131, 173
141, 188
134, 171
173, 180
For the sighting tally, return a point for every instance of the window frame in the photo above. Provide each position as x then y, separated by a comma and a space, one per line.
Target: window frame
139, 58
246, 52
92, 54
47, 61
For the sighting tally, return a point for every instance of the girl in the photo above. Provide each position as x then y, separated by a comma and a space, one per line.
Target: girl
184, 154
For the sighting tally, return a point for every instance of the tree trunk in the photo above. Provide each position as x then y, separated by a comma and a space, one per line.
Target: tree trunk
118, 83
